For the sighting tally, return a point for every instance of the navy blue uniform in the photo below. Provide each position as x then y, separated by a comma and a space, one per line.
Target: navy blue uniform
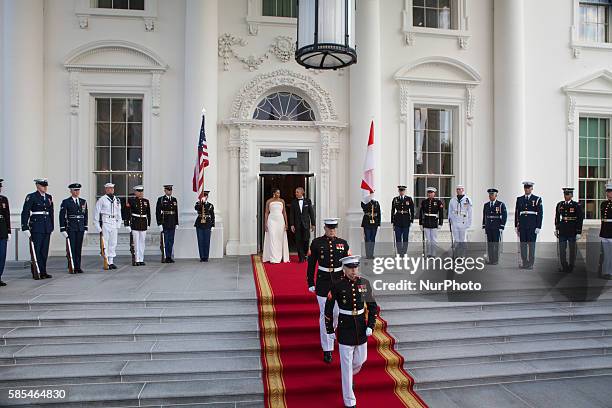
5, 230
204, 223
37, 217
568, 223
370, 223
73, 218
527, 218
494, 217
402, 216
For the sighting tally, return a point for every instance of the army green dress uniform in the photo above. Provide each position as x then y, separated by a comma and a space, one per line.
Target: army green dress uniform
351, 297
204, 224
324, 257
370, 223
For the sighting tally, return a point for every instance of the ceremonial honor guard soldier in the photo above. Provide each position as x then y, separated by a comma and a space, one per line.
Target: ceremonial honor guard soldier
5, 230
402, 216
605, 234
324, 256
528, 222
73, 219
370, 223
37, 224
494, 217
204, 224
108, 220
431, 216
351, 294
166, 214
460, 218
568, 228
137, 221
302, 221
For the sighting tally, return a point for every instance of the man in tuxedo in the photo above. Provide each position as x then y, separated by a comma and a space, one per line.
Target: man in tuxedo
302, 221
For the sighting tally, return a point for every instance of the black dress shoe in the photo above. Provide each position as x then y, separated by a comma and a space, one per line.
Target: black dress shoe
142, 264
79, 270
112, 266
167, 260
35, 277
46, 276
327, 357
201, 260
170, 260
205, 260
2, 283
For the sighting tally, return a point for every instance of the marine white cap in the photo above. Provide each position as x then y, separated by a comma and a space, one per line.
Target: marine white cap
138, 188
350, 261
109, 185
528, 183
431, 189
331, 222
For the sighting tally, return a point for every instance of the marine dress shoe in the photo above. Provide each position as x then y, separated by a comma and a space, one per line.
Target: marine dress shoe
112, 266
46, 276
327, 357
2, 283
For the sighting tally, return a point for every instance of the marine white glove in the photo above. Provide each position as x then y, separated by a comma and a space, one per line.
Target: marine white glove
85, 232
212, 228
421, 227
65, 234
332, 336
9, 237
98, 229
27, 233
517, 231
311, 289
128, 229
501, 230
161, 228
537, 231
369, 332
557, 233
578, 236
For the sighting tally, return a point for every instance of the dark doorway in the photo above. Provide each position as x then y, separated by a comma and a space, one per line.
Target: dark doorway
287, 183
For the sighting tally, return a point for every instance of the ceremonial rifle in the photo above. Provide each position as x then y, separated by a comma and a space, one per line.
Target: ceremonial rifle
69, 256
103, 252
34, 262
132, 249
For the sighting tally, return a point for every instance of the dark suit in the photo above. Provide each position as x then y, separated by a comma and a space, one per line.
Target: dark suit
301, 220
5, 230
37, 217
73, 219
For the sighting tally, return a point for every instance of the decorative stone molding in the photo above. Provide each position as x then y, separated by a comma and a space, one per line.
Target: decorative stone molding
461, 33
283, 48
464, 42
469, 106
246, 100
571, 113
84, 12
255, 19
410, 38
244, 150
74, 92
156, 93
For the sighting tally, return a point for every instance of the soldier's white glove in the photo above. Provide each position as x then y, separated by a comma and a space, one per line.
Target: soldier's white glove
517, 231
578, 236
85, 232
98, 229
537, 231
27, 233
369, 332
9, 237
212, 228
332, 336
421, 227
65, 234
311, 289
501, 230
129, 229
161, 228
556, 233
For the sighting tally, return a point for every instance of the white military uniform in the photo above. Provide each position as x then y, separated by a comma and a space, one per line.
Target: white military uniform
107, 219
460, 217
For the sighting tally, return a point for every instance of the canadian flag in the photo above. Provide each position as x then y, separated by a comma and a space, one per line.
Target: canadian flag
367, 182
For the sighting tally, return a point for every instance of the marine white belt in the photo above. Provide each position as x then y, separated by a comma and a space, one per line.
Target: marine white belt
138, 215
431, 215
39, 213
324, 269
529, 212
350, 312
606, 220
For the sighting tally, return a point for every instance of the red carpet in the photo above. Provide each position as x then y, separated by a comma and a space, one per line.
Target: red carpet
294, 374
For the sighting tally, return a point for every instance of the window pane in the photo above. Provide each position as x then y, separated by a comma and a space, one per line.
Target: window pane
269, 8
445, 187
431, 18
433, 163
103, 110
134, 110
136, 4
418, 17
419, 163
445, 143
134, 135
134, 179
444, 4
134, 157
101, 180
102, 159
433, 141
431, 3
118, 110
118, 134
447, 164
120, 181
120, 4
592, 147
118, 159
419, 187
105, 3
433, 119
103, 134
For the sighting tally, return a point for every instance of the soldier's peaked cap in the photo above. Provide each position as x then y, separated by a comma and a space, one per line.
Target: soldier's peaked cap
168, 186
138, 188
569, 190
609, 187
74, 186
401, 187
492, 190
41, 181
351, 261
431, 189
528, 183
331, 222
109, 185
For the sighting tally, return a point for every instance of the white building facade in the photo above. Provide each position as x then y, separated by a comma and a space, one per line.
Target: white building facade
477, 92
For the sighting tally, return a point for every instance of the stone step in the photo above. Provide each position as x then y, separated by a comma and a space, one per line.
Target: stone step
407, 339
143, 394
138, 350
129, 332
463, 375
219, 368
511, 351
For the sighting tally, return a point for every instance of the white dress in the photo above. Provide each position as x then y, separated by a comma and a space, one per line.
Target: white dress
276, 246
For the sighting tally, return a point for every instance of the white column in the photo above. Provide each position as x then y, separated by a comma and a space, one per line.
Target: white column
22, 93
365, 96
509, 96
200, 91
233, 214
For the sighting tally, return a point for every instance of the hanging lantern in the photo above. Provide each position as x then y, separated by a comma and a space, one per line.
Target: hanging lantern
326, 34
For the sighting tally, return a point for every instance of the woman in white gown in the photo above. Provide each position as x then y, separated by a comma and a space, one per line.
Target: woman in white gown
276, 246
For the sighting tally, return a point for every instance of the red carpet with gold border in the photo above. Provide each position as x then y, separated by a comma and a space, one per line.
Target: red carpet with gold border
294, 373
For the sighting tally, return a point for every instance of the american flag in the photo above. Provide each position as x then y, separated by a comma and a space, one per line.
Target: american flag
201, 163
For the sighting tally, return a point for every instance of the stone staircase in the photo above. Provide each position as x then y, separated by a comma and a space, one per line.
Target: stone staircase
173, 350
474, 344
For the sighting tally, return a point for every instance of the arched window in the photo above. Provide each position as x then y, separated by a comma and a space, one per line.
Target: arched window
284, 106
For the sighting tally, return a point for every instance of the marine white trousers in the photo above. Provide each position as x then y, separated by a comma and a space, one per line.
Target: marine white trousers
431, 239
606, 267
351, 360
139, 244
109, 232
327, 344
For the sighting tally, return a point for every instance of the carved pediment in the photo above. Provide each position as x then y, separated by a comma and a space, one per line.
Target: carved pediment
442, 70
114, 56
597, 83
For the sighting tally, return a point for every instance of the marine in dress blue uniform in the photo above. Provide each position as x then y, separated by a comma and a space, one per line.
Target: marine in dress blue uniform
494, 217
528, 223
73, 220
166, 215
37, 223
431, 217
204, 224
402, 216
568, 228
5, 230
370, 223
